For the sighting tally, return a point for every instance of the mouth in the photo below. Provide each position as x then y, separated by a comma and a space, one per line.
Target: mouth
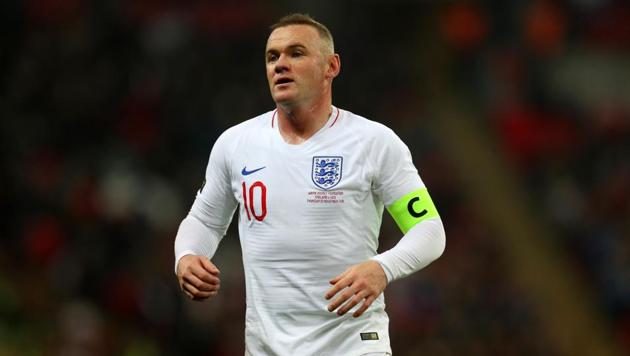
281, 81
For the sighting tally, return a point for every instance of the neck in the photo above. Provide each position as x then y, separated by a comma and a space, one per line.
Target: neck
300, 122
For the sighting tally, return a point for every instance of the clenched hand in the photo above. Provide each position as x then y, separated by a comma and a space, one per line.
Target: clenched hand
198, 277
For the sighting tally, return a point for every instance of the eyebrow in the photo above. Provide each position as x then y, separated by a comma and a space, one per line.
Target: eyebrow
290, 47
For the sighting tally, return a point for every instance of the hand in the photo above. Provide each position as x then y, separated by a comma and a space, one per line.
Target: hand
198, 277
363, 281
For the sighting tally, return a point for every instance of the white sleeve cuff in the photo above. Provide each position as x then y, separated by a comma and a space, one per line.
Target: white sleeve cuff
195, 238
420, 246
179, 256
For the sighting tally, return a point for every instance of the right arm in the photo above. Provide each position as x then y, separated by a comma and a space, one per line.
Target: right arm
201, 231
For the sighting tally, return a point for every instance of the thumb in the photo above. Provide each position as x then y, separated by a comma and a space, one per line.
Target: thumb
209, 266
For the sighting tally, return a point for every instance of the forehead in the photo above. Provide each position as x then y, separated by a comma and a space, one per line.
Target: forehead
293, 34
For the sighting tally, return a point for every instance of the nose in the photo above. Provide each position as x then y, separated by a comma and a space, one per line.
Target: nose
281, 64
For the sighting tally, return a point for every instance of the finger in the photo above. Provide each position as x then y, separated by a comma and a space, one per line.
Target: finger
339, 277
356, 299
336, 279
203, 275
198, 283
339, 285
188, 293
364, 306
209, 266
201, 299
196, 293
345, 295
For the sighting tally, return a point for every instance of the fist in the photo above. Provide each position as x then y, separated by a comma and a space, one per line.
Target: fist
198, 277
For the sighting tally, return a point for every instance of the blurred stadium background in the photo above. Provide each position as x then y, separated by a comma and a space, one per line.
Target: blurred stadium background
517, 113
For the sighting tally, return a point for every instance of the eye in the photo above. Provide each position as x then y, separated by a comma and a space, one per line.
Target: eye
271, 57
297, 54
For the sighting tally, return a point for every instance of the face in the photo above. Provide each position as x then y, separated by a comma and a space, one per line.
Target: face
297, 69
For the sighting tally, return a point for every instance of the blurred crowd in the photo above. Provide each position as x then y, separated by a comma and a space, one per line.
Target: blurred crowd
109, 110
552, 81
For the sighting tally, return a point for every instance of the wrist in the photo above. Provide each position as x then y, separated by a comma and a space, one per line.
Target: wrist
179, 257
383, 265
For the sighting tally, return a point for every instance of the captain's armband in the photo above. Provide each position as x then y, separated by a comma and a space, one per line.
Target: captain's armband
412, 209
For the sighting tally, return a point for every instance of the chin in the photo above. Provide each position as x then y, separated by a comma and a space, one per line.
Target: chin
284, 99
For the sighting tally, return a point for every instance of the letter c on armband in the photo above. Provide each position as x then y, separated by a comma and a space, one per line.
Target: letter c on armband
413, 212
412, 208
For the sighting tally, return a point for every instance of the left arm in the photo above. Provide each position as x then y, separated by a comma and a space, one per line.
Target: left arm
397, 182
420, 246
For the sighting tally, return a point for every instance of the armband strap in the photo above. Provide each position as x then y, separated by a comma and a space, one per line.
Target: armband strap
412, 209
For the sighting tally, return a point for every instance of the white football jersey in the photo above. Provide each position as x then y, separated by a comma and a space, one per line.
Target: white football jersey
306, 213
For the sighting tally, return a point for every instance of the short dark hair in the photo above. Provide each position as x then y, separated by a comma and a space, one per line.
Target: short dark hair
306, 19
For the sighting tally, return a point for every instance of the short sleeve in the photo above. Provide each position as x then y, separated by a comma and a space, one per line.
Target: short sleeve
394, 174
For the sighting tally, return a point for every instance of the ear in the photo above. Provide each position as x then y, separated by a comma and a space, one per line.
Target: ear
334, 66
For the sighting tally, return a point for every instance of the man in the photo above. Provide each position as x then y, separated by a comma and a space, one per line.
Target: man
310, 181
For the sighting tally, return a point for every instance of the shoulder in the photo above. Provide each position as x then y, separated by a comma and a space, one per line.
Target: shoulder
368, 129
239, 131
259, 122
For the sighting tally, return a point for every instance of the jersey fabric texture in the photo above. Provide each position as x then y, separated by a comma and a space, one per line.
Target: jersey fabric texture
306, 213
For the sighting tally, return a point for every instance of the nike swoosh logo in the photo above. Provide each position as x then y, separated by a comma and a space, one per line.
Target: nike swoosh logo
245, 172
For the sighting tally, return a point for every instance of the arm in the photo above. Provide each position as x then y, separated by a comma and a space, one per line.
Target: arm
420, 246
194, 238
424, 239
423, 243
201, 231
198, 277
397, 183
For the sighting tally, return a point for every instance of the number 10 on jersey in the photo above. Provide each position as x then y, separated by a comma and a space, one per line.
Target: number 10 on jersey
249, 198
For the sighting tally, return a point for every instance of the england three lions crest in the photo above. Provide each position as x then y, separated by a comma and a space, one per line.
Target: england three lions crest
326, 171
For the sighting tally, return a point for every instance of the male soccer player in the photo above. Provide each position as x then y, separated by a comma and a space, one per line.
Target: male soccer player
310, 181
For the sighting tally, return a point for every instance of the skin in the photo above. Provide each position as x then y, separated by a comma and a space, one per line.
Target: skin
297, 53
198, 277
299, 56
363, 282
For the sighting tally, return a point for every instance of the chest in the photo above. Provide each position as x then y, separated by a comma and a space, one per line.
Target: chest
271, 180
